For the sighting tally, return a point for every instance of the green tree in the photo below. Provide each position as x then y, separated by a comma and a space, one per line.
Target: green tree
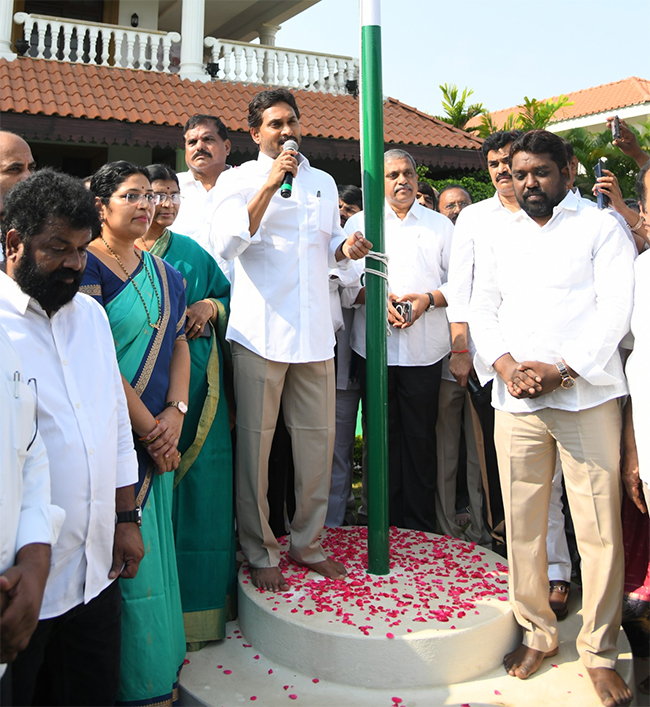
458, 110
591, 147
478, 184
533, 115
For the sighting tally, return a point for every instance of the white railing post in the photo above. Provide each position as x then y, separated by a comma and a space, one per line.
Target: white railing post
192, 31
6, 25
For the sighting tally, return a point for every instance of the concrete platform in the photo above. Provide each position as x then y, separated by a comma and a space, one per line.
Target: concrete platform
308, 646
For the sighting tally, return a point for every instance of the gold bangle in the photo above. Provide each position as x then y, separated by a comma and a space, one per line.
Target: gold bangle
215, 309
637, 225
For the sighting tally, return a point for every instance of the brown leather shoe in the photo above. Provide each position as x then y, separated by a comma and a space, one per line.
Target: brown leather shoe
558, 598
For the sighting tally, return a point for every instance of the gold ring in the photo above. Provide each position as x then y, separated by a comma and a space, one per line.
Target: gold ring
197, 325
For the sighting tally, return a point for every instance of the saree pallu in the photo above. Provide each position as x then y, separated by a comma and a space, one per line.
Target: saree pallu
153, 641
636, 544
203, 516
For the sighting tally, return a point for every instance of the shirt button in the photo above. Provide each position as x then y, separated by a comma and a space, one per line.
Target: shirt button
78, 405
91, 451
65, 362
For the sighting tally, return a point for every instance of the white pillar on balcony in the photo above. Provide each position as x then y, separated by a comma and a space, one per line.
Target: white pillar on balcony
192, 29
267, 34
6, 23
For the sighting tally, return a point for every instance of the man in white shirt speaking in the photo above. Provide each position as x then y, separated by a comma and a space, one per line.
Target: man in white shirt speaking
281, 330
418, 241
65, 343
552, 300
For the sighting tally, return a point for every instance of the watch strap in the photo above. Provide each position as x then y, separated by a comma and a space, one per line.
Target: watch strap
432, 303
134, 516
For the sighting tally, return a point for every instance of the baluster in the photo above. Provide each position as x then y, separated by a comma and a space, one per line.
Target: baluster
291, 75
331, 75
300, 58
311, 65
281, 76
260, 60
227, 55
41, 28
106, 41
119, 38
164, 56
66, 49
340, 76
130, 54
321, 74
90, 49
238, 54
249, 64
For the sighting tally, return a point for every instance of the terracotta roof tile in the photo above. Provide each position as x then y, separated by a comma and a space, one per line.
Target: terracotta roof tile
589, 101
97, 92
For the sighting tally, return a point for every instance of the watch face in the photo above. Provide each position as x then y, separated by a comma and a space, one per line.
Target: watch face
182, 407
568, 383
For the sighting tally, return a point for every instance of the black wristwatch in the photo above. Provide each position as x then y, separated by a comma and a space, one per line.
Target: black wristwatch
432, 304
134, 516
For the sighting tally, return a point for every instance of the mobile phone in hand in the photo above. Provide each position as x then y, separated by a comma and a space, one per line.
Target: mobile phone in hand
616, 128
601, 199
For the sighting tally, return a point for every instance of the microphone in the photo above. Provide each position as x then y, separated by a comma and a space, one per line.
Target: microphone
287, 182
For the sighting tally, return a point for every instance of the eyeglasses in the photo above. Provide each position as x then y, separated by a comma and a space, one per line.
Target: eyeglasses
460, 205
138, 199
175, 197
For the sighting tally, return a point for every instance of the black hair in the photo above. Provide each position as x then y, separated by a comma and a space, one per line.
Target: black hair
163, 172
267, 99
456, 186
498, 140
426, 188
349, 194
108, 178
201, 118
641, 189
570, 152
540, 142
46, 196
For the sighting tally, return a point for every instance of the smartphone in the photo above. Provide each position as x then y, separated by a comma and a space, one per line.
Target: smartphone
405, 310
616, 128
601, 199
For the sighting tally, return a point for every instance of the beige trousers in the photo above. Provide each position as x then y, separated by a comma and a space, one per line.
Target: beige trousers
589, 444
454, 407
307, 392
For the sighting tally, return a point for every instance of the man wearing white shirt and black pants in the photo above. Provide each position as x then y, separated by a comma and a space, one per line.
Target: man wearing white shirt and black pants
66, 344
418, 241
281, 331
552, 300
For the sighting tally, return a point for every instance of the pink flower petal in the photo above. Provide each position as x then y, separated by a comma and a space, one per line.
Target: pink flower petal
227, 672
186, 662
315, 680
390, 635
293, 697
253, 698
496, 692
256, 657
397, 700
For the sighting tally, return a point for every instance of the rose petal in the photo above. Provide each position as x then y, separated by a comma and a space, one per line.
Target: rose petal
397, 700
315, 680
227, 672
390, 635
293, 697
186, 662
253, 698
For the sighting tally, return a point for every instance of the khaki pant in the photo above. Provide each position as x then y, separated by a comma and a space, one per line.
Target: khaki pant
588, 442
308, 401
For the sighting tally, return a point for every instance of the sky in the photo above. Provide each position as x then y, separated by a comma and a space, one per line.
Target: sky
503, 51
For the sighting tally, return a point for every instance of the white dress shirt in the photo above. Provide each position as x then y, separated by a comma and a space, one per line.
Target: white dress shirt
280, 305
27, 514
84, 422
193, 220
560, 291
637, 363
418, 250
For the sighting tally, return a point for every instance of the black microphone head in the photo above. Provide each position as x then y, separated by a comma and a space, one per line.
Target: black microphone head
290, 145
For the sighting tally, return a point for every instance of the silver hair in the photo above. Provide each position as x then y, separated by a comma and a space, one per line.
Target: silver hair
397, 154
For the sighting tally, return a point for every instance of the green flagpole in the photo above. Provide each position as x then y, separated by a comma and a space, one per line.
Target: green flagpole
372, 141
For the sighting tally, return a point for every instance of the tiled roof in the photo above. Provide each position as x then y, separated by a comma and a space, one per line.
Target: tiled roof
598, 99
53, 88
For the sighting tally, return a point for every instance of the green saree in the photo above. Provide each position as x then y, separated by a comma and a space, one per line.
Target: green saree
202, 513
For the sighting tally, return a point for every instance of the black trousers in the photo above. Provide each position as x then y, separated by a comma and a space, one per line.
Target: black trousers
73, 659
412, 458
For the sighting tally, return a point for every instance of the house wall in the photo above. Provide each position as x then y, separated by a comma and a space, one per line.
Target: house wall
146, 10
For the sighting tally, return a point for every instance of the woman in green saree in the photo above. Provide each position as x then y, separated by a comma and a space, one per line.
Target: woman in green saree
203, 485
144, 300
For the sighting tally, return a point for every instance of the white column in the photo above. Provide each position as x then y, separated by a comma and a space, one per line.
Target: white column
6, 22
192, 28
267, 34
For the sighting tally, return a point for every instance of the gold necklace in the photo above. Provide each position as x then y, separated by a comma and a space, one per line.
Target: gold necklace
137, 289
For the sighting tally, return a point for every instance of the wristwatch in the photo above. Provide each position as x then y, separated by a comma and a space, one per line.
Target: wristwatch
134, 516
179, 405
567, 380
432, 304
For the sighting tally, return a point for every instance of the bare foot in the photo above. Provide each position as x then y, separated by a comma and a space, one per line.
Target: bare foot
269, 578
525, 661
328, 568
610, 686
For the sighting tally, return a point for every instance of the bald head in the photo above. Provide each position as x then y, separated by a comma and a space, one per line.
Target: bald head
16, 161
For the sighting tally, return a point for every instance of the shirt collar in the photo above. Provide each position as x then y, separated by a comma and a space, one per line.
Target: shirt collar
571, 202
10, 292
415, 211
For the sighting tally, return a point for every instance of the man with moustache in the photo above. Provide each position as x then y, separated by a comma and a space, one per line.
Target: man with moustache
452, 200
552, 299
206, 149
74, 654
418, 241
280, 330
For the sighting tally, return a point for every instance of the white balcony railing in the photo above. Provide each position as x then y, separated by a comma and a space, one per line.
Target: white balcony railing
101, 44
276, 66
